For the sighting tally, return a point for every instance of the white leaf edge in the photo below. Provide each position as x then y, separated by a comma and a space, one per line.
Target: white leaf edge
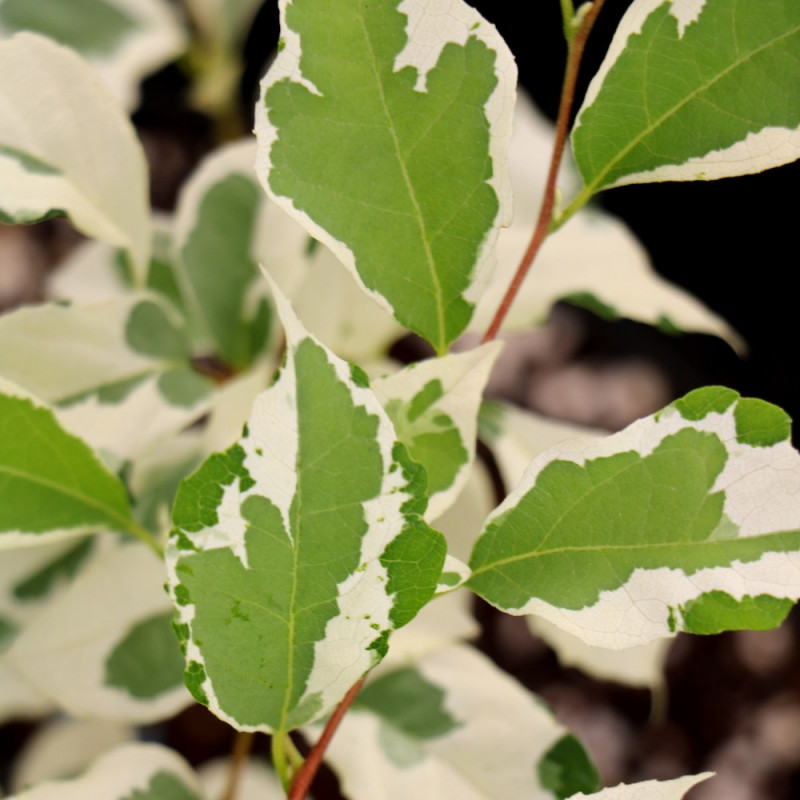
761, 486
63, 650
435, 23
770, 147
116, 775
463, 377
103, 179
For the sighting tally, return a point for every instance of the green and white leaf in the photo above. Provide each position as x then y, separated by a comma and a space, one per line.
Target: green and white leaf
124, 40
126, 426
60, 352
693, 91
92, 273
63, 748
434, 407
649, 790
452, 725
117, 659
131, 772
214, 248
685, 520
426, 89
85, 162
594, 261
297, 551
516, 436
51, 484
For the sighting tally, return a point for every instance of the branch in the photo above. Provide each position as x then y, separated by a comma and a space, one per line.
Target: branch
302, 781
574, 57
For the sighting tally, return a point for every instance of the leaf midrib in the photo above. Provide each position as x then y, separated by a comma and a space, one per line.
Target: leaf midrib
418, 215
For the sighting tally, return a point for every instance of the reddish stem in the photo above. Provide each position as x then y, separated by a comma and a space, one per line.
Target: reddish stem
305, 775
574, 56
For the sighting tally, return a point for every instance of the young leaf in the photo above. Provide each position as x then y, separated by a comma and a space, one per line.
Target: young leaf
131, 772
297, 551
432, 729
434, 407
117, 659
126, 39
67, 148
52, 484
693, 91
686, 520
384, 131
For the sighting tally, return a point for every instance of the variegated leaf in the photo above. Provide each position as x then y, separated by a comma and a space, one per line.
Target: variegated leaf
648, 790
51, 484
454, 725
117, 659
685, 520
434, 407
426, 88
131, 772
85, 162
297, 551
693, 90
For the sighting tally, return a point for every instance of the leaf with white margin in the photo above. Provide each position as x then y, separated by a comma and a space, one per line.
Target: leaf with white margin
116, 659
434, 407
61, 352
125, 426
131, 772
63, 748
124, 39
594, 261
51, 484
516, 436
297, 551
648, 790
426, 88
19, 698
452, 725
213, 244
85, 162
686, 520
693, 91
